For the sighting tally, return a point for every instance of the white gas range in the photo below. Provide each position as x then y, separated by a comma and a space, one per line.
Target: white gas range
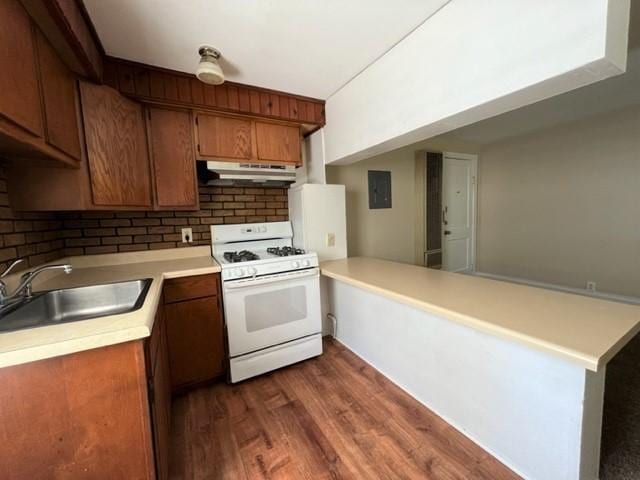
271, 293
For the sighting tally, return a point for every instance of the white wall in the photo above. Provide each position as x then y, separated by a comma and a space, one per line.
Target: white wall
390, 233
387, 233
563, 205
470, 61
538, 414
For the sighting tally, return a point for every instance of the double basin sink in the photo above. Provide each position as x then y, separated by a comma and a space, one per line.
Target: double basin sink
74, 304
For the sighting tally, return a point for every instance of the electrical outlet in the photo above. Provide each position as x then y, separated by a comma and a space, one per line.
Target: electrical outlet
591, 286
331, 240
187, 235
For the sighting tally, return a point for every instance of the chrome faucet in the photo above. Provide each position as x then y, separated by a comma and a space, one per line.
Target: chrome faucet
23, 290
3, 286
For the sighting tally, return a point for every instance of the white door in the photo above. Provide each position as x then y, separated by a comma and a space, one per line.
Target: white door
458, 212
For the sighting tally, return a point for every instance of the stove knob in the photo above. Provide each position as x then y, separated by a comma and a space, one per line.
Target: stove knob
306, 263
295, 264
252, 271
239, 272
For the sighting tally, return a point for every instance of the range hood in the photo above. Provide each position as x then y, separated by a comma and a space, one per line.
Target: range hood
230, 173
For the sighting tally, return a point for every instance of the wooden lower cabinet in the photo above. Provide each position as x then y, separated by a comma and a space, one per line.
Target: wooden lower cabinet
195, 332
83, 415
159, 381
106, 412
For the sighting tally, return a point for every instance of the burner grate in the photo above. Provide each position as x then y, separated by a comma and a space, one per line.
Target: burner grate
241, 256
285, 251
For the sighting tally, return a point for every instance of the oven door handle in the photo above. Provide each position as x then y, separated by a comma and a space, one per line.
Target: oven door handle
268, 279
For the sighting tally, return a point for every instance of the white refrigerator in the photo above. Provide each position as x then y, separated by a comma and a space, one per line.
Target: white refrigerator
318, 216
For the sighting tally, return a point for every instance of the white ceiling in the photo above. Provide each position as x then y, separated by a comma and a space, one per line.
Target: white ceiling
300, 46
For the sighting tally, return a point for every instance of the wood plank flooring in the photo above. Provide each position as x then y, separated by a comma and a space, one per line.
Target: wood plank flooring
332, 417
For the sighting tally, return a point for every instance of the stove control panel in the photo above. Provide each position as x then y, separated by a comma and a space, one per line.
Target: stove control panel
263, 267
253, 229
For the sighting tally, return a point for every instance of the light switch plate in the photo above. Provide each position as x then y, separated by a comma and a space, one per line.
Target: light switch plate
331, 240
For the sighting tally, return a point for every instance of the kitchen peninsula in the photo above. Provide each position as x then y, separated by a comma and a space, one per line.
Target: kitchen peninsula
518, 369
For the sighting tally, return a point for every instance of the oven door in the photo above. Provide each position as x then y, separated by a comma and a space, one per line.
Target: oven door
271, 310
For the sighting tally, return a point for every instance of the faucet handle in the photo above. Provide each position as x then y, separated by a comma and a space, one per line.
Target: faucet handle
10, 267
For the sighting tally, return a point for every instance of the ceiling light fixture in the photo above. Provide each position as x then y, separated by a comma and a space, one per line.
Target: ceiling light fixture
209, 70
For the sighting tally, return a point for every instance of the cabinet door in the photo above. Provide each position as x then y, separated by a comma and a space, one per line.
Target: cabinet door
116, 148
59, 98
77, 416
160, 382
278, 143
173, 158
224, 137
195, 337
19, 91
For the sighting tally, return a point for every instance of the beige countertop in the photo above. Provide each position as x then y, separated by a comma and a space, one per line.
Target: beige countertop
581, 329
27, 345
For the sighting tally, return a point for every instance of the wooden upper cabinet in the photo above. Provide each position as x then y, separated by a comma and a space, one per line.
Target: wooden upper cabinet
116, 148
278, 143
173, 158
238, 139
59, 99
19, 90
224, 137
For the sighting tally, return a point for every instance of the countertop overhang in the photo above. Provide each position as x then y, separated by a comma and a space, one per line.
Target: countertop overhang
584, 330
33, 344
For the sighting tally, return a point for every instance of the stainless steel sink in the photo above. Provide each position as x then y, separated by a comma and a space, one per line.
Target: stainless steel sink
74, 304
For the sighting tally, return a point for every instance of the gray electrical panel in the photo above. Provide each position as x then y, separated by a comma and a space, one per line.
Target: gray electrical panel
379, 189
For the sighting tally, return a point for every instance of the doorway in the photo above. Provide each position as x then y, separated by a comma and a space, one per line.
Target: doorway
450, 194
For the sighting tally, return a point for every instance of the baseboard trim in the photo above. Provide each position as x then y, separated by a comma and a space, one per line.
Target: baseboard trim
552, 286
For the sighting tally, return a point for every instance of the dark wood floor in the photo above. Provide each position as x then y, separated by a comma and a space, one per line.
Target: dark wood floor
330, 417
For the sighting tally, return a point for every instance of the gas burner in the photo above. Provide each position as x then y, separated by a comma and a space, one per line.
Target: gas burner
242, 256
285, 251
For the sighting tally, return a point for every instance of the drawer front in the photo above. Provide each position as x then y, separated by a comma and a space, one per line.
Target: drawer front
187, 288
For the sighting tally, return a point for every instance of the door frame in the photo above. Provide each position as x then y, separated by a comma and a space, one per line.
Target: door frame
474, 202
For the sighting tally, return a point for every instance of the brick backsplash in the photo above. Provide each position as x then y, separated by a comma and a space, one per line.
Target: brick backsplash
89, 233
35, 237
42, 237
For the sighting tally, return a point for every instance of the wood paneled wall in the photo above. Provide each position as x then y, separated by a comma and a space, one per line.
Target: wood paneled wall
147, 83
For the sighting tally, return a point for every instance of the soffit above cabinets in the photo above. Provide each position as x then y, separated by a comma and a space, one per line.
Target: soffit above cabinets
309, 48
